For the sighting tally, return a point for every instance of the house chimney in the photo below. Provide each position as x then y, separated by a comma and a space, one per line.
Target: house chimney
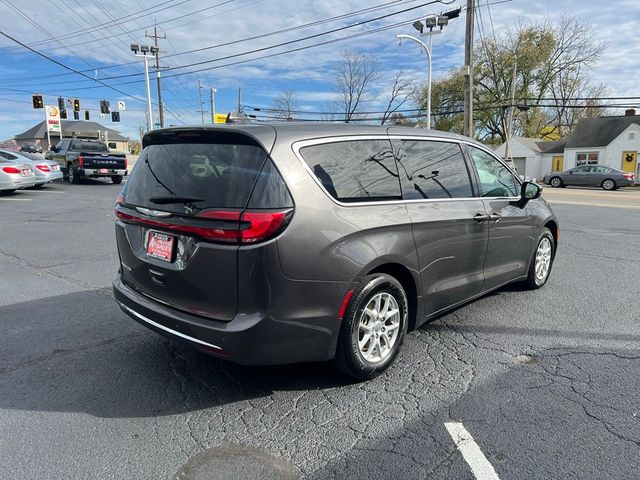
630, 112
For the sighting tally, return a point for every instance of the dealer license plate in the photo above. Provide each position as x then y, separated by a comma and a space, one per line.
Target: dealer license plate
160, 246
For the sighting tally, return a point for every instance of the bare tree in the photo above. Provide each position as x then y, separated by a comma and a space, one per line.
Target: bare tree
285, 105
403, 90
355, 77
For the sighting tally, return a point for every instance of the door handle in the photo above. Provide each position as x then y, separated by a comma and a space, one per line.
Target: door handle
495, 217
481, 217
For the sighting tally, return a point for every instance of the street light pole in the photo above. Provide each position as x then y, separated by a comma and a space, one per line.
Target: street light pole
153, 50
146, 80
427, 49
431, 22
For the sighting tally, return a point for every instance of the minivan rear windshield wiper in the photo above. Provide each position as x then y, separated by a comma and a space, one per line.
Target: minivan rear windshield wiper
174, 199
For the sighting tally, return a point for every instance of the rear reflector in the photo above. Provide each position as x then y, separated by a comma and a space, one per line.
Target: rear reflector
43, 168
345, 303
10, 170
230, 226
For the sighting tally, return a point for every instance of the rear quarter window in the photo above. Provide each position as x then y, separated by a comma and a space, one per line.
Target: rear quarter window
355, 170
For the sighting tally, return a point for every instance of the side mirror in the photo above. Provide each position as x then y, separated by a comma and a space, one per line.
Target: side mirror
529, 191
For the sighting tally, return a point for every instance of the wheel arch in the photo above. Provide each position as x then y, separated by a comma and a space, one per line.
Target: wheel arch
409, 283
552, 225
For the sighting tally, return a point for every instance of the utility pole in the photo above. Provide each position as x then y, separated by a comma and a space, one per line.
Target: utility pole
512, 104
213, 105
202, 110
155, 42
239, 99
468, 71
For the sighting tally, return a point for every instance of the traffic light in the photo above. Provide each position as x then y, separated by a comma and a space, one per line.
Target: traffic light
115, 116
37, 101
60, 103
76, 105
63, 114
86, 114
76, 115
104, 106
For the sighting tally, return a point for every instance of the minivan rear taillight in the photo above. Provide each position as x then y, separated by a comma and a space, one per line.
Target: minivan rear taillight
248, 227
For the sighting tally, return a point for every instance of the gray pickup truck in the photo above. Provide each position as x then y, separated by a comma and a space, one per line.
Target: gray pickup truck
83, 158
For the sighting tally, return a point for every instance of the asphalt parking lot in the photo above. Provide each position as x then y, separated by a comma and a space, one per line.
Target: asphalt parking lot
546, 382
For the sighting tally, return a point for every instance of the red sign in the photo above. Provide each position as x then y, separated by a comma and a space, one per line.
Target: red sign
160, 246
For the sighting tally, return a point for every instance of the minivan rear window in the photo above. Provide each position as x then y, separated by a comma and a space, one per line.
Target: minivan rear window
218, 172
355, 170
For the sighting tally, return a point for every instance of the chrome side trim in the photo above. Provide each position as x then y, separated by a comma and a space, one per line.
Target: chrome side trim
166, 329
298, 145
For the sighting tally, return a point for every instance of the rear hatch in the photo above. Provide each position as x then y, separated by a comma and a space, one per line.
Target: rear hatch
186, 210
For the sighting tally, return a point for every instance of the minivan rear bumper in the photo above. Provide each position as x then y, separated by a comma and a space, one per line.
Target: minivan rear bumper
248, 339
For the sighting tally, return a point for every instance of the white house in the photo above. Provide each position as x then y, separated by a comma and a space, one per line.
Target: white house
533, 157
612, 141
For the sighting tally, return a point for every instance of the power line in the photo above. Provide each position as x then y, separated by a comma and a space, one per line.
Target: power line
262, 49
67, 67
124, 19
315, 23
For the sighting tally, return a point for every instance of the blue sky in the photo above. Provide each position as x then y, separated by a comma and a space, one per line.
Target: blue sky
66, 31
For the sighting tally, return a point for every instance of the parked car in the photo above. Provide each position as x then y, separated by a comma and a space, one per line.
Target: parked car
608, 178
45, 170
270, 244
83, 158
31, 147
15, 175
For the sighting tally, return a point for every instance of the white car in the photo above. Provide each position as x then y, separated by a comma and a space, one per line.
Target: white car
15, 175
44, 170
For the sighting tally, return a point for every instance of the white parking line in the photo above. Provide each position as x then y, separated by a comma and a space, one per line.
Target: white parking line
480, 466
16, 199
46, 191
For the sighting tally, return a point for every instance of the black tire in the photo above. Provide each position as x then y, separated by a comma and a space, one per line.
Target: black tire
609, 184
556, 182
533, 282
7, 192
39, 185
117, 179
348, 357
72, 175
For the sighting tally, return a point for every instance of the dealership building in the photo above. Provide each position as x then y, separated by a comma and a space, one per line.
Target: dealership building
74, 128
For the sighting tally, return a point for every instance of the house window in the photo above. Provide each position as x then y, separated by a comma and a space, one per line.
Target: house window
632, 136
586, 158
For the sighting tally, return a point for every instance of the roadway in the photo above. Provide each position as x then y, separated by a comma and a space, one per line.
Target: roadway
516, 385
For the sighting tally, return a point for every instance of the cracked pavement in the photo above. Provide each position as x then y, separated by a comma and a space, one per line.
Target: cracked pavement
547, 382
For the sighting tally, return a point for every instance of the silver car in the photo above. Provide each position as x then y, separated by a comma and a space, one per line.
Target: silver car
608, 178
44, 170
15, 175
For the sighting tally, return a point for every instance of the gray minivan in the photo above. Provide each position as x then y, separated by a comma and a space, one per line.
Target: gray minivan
269, 244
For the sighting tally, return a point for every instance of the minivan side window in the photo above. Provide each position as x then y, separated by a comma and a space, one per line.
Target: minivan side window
495, 180
432, 169
355, 170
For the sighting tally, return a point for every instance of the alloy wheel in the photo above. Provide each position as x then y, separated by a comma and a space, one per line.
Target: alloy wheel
379, 327
543, 260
